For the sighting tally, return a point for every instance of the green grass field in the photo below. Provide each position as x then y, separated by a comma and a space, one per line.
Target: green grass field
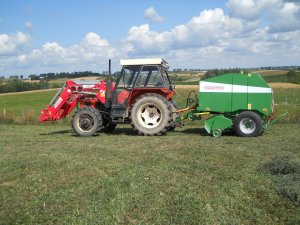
50, 176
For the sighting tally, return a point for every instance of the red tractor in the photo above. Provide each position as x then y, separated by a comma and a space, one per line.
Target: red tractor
142, 96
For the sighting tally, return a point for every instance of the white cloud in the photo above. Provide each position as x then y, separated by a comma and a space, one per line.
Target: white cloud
52, 47
14, 43
152, 15
93, 39
282, 16
220, 40
208, 28
90, 54
249, 9
285, 18
142, 39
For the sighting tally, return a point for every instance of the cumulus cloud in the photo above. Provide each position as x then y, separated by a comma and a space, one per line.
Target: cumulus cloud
142, 39
90, 51
93, 39
14, 43
152, 15
208, 28
282, 16
89, 54
285, 18
229, 39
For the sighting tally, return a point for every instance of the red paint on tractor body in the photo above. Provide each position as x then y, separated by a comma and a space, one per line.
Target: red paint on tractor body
93, 95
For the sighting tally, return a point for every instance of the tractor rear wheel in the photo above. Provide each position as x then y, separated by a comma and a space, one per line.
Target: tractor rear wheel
151, 115
175, 115
248, 124
87, 121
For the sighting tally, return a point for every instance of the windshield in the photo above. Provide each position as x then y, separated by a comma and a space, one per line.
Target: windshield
128, 75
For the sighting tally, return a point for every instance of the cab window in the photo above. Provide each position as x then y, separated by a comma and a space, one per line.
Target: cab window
128, 76
150, 76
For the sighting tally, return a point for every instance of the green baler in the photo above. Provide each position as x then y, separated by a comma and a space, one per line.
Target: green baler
238, 101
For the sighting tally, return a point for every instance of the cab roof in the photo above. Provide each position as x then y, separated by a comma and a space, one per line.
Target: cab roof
136, 62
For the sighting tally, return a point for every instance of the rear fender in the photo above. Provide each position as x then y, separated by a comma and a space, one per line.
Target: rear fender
137, 92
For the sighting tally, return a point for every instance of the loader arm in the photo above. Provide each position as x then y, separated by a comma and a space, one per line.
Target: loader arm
62, 103
67, 98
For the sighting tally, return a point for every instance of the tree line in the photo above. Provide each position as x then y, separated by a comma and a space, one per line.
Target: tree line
16, 85
53, 76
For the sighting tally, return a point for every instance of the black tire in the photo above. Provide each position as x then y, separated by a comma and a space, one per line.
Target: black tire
87, 122
248, 124
174, 107
151, 115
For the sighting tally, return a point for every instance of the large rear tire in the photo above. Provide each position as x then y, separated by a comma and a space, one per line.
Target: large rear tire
175, 115
248, 124
87, 122
151, 115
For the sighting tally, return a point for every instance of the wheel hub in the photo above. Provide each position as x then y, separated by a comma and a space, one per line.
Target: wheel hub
247, 126
85, 122
149, 115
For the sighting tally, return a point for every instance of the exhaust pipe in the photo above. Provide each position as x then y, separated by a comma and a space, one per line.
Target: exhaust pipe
108, 95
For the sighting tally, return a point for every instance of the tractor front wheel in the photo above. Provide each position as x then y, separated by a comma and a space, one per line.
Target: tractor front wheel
248, 124
87, 121
151, 115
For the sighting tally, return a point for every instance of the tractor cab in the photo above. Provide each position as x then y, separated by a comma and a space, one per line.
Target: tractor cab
138, 77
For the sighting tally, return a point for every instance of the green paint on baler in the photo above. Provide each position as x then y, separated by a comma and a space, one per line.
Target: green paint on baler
218, 122
215, 102
239, 100
235, 92
261, 102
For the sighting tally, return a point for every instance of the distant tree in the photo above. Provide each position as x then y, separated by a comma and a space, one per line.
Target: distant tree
34, 77
14, 77
291, 75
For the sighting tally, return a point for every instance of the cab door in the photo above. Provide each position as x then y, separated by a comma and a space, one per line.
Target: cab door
124, 85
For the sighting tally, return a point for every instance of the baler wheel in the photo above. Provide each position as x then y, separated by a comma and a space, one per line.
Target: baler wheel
151, 115
217, 133
248, 124
87, 121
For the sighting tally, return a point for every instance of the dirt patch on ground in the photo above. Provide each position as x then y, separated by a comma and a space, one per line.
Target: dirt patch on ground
187, 86
284, 85
271, 72
24, 92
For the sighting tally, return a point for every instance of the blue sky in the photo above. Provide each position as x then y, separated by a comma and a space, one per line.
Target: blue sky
56, 36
